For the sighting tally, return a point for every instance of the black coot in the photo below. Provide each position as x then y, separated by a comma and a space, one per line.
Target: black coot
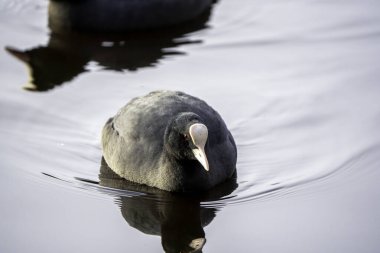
170, 140
123, 15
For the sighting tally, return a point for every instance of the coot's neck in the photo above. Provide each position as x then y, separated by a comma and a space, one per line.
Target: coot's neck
183, 175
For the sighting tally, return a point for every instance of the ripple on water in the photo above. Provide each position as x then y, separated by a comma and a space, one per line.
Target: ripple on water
260, 177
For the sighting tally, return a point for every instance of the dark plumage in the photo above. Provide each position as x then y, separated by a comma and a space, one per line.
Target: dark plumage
158, 140
122, 15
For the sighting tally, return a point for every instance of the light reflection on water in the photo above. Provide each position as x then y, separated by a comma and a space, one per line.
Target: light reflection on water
296, 81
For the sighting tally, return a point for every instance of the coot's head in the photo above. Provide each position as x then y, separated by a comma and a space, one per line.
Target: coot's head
186, 137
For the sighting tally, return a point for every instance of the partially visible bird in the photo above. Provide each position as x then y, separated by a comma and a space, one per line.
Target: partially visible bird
123, 15
170, 140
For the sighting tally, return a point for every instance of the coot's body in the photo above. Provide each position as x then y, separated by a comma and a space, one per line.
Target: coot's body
148, 142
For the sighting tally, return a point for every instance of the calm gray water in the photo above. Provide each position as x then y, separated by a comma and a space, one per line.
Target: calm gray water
297, 82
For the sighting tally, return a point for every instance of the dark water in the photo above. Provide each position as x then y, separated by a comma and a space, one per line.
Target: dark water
296, 81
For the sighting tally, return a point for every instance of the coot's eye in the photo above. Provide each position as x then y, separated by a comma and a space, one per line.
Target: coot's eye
186, 136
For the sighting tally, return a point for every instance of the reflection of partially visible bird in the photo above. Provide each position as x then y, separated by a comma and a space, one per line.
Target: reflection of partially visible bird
49, 66
123, 15
170, 140
68, 52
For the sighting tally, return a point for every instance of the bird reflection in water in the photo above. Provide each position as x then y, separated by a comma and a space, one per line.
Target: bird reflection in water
68, 52
178, 218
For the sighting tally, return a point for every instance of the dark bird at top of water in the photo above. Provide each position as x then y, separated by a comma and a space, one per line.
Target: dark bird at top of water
170, 140
123, 15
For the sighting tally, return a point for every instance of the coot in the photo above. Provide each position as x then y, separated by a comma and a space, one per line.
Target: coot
170, 140
123, 15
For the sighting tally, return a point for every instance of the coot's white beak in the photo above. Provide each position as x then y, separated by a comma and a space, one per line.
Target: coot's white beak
199, 133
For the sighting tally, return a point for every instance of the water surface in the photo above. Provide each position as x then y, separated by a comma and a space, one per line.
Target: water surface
296, 82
